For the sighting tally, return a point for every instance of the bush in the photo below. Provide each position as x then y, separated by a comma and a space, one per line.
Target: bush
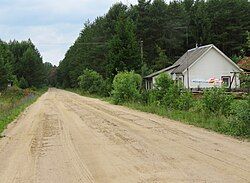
162, 84
217, 101
90, 81
240, 117
245, 81
185, 100
171, 96
198, 106
126, 87
106, 88
23, 83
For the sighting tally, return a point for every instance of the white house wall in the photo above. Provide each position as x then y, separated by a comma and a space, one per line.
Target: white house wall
213, 64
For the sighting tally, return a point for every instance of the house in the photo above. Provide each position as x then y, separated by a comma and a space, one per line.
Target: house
201, 67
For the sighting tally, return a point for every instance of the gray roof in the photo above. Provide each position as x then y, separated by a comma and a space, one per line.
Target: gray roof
189, 58
161, 71
185, 61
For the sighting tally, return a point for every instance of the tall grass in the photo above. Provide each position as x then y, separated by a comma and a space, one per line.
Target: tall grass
14, 101
217, 123
196, 115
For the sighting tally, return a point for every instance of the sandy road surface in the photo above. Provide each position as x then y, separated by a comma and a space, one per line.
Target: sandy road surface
66, 138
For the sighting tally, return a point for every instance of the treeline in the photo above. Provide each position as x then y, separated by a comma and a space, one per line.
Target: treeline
113, 42
21, 64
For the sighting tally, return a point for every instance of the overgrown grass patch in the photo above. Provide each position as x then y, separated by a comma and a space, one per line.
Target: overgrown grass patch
230, 125
217, 123
14, 101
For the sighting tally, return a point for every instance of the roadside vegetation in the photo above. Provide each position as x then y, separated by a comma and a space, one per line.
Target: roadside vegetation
13, 101
23, 78
215, 110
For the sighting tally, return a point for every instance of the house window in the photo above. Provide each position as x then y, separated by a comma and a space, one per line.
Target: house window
149, 84
226, 80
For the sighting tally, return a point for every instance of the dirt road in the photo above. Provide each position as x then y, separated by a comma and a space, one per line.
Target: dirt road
66, 138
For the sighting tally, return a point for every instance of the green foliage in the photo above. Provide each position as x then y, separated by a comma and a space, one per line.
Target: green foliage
162, 61
106, 88
245, 81
3, 75
170, 98
217, 101
90, 81
21, 60
145, 70
126, 87
170, 94
236, 58
216, 123
185, 101
6, 59
23, 83
162, 84
239, 121
14, 101
124, 51
32, 68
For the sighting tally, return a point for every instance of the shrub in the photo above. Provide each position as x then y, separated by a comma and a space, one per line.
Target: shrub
171, 96
217, 101
90, 81
198, 106
23, 83
126, 86
245, 81
106, 88
185, 100
240, 117
162, 84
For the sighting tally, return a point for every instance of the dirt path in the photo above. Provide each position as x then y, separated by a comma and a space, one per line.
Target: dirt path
66, 138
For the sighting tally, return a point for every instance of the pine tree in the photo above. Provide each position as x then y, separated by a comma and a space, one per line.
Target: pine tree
124, 52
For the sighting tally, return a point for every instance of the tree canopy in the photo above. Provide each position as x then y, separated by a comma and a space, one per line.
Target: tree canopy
21, 62
111, 43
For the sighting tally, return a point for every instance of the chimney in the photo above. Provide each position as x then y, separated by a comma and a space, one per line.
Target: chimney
196, 46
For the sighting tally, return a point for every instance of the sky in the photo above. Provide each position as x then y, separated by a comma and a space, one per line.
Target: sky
52, 25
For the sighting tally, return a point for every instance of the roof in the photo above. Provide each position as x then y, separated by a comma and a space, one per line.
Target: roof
161, 71
190, 57
244, 63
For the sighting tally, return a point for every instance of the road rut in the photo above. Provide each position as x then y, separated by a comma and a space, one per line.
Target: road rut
67, 138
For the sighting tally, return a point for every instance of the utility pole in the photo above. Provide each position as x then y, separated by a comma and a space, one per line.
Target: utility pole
141, 44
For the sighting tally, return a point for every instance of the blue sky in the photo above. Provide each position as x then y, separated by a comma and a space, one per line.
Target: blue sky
52, 25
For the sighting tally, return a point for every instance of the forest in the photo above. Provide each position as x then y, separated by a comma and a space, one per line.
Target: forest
21, 65
153, 34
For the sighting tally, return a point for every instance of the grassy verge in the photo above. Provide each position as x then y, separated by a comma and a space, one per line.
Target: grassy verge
14, 101
217, 123
211, 122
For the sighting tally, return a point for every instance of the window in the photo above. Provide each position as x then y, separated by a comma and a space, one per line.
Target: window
149, 84
226, 80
